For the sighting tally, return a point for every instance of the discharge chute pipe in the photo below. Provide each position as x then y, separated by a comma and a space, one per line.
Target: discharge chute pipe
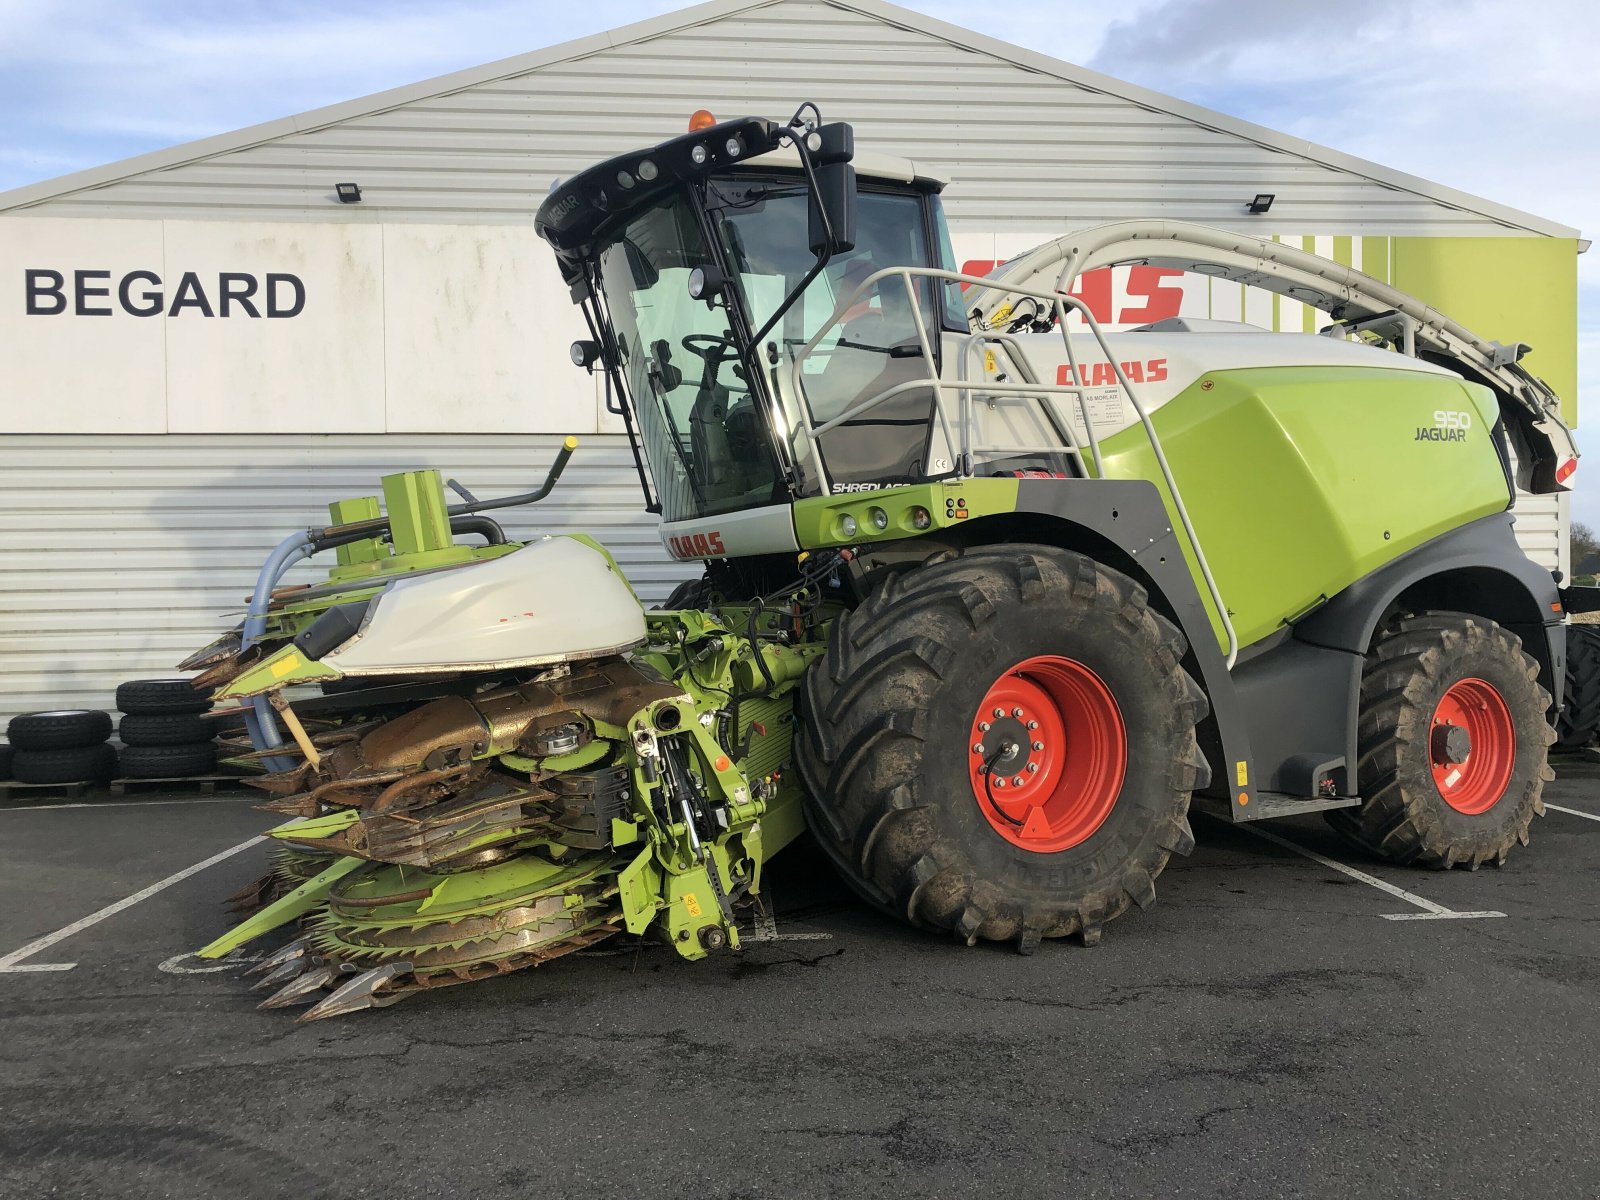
261, 722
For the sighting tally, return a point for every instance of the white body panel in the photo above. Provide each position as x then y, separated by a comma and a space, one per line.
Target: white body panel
551, 601
1160, 364
754, 531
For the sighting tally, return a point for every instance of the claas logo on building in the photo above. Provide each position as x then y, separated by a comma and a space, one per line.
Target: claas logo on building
1151, 294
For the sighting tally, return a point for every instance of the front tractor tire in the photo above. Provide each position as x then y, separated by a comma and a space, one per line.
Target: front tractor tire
1454, 744
1002, 745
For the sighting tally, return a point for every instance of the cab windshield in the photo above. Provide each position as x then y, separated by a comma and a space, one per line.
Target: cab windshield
764, 227
696, 410
699, 414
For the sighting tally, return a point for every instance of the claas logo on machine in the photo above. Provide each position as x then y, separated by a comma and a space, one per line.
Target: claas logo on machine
1100, 374
696, 545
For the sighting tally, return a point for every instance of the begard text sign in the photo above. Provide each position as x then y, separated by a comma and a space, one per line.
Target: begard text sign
95, 292
172, 326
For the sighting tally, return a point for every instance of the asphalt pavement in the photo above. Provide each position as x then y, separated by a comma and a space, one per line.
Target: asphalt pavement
1265, 1030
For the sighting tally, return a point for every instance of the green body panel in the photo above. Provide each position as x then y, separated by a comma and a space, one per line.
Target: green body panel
280, 669
308, 896
1299, 481
356, 554
818, 520
418, 520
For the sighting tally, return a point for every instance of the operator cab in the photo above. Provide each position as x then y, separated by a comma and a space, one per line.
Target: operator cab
706, 264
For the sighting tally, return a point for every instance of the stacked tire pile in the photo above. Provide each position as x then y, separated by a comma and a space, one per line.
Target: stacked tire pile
165, 733
65, 746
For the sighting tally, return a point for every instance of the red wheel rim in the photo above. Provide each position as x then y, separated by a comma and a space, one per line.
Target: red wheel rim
1047, 754
1472, 782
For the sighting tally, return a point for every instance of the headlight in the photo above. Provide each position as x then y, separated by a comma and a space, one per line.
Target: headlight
847, 525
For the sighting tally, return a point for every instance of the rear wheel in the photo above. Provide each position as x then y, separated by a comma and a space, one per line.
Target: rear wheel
1002, 745
1580, 710
1453, 744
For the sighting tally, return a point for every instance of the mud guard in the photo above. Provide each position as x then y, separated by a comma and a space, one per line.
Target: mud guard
1129, 514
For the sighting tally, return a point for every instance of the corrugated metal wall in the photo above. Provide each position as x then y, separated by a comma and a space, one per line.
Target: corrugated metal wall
119, 555
1022, 147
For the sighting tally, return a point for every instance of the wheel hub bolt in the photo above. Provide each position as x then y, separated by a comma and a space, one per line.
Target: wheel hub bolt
983, 726
999, 712
1017, 713
1032, 767
1038, 745
1017, 782
999, 783
978, 748
1451, 744
1033, 724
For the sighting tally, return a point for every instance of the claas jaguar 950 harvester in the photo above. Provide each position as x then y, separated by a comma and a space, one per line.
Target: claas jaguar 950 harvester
991, 599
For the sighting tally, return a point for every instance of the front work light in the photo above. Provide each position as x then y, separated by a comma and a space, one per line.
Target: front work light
705, 282
698, 154
648, 171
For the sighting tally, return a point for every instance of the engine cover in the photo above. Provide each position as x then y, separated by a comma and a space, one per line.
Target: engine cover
555, 600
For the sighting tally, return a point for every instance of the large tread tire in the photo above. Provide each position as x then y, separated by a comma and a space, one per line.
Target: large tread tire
1580, 709
168, 762
1404, 817
152, 696
165, 729
5, 762
887, 715
64, 730
74, 764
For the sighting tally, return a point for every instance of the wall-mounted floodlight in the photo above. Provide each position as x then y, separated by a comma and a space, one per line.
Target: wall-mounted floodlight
349, 193
1261, 203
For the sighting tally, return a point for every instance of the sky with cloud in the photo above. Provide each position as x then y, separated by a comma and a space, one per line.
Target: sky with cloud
1496, 99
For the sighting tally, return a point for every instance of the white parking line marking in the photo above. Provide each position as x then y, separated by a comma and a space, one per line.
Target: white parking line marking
9, 964
766, 930
1431, 911
1572, 812
126, 804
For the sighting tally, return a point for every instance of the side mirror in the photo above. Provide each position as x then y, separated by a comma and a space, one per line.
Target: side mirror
832, 147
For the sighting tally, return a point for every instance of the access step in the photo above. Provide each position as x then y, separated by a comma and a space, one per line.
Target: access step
1264, 806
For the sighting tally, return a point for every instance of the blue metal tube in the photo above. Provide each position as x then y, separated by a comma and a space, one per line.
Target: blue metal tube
261, 723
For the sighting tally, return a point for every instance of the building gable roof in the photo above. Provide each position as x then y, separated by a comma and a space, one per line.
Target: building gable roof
49, 192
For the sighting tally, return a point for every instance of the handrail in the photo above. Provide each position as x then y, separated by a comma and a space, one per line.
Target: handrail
1061, 305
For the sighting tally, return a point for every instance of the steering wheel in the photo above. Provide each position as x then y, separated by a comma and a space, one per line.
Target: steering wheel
712, 349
